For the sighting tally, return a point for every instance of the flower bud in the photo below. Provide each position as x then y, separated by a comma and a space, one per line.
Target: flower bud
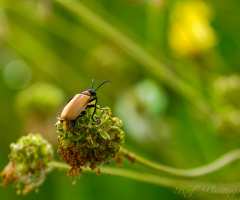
29, 162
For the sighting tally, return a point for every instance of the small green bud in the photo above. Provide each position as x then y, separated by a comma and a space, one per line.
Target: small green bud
29, 162
105, 135
115, 128
105, 120
117, 122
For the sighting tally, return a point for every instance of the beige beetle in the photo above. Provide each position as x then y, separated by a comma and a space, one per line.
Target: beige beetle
76, 105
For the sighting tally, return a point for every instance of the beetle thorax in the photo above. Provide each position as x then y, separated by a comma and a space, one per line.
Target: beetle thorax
92, 92
87, 93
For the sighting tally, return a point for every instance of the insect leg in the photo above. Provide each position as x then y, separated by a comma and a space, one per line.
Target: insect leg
92, 99
74, 124
82, 113
93, 106
74, 121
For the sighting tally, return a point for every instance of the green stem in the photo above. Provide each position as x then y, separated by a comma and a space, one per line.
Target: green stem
137, 52
152, 178
194, 172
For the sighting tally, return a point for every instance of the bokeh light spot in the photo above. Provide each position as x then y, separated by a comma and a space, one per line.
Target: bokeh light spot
17, 74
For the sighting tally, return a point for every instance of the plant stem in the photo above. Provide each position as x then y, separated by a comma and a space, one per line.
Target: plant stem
194, 172
152, 178
138, 53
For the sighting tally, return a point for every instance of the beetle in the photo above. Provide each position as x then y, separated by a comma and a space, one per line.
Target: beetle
76, 105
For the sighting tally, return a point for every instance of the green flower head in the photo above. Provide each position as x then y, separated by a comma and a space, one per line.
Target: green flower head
86, 143
29, 162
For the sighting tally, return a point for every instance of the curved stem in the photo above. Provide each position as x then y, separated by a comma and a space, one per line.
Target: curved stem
194, 172
152, 178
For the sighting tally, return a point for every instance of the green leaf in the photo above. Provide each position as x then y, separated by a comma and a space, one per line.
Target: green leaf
105, 135
65, 143
76, 137
105, 120
115, 128
94, 144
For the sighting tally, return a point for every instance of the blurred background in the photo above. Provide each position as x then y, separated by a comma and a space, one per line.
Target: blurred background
174, 65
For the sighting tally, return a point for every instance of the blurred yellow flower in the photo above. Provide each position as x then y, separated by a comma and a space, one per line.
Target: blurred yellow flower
190, 32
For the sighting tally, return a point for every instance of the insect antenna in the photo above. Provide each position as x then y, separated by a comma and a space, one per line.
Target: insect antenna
92, 83
103, 83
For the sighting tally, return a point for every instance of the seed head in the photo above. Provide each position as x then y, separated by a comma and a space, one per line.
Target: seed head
29, 162
86, 143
